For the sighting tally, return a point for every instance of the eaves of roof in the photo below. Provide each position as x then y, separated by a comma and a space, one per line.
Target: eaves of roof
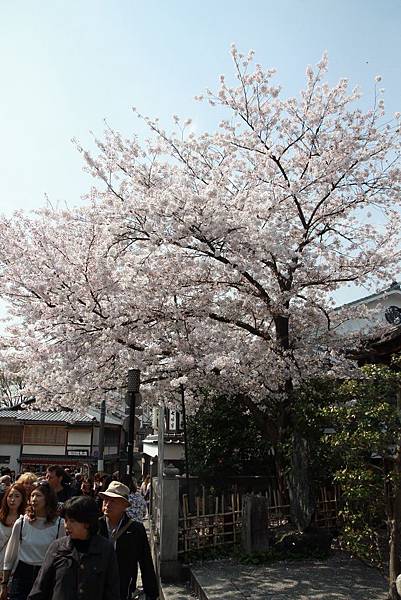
394, 287
39, 416
384, 345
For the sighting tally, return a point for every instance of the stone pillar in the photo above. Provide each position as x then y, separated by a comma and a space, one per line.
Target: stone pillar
255, 533
169, 565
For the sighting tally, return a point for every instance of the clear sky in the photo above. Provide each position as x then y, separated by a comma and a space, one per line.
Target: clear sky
66, 65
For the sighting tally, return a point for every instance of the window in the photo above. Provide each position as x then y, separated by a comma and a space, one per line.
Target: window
44, 434
10, 434
111, 437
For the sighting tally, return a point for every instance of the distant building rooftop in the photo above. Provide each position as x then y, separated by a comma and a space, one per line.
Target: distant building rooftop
60, 416
394, 287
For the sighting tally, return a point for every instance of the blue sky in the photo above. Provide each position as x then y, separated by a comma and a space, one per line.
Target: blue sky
66, 65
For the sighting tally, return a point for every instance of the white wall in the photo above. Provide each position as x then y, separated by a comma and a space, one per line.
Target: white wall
378, 307
79, 437
13, 451
171, 451
43, 450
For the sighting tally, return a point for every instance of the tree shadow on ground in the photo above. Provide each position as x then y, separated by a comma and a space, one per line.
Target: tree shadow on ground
338, 578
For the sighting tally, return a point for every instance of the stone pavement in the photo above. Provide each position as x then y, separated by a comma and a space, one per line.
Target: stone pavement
338, 578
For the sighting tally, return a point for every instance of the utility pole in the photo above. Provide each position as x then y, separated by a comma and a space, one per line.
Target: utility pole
100, 460
134, 379
184, 421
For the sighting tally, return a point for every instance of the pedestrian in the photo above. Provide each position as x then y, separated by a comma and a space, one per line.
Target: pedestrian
31, 536
27, 480
144, 485
137, 508
55, 476
97, 482
12, 506
75, 486
5, 482
105, 481
82, 565
86, 488
130, 541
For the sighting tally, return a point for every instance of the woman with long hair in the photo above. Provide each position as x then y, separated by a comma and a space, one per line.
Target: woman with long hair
144, 485
82, 565
12, 506
31, 536
27, 479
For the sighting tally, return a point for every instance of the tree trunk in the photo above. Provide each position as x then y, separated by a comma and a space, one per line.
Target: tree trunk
394, 529
299, 484
302, 503
394, 518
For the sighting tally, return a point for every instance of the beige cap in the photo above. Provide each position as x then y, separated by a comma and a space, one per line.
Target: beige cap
116, 490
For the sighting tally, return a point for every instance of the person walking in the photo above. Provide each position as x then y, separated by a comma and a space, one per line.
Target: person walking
75, 487
27, 480
12, 506
130, 541
5, 483
82, 565
86, 488
144, 485
137, 508
56, 477
31, 536
105, 482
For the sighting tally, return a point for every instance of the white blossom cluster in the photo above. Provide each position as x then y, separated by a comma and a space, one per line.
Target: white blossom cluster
209, 260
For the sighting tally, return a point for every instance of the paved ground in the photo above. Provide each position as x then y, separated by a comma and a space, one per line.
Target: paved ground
338, 578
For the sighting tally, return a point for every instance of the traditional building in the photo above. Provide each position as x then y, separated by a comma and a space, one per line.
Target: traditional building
173, 448
385, 308
33, 439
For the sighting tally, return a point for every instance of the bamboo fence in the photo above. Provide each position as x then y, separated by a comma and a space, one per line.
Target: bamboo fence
217, 519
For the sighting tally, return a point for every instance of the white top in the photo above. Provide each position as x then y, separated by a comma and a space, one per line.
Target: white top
5, 532
36, 538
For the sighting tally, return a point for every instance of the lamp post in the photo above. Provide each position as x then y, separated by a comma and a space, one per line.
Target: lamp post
132, 390
184, 422
100, 460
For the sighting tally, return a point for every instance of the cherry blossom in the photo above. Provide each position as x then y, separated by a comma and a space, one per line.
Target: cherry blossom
211, 257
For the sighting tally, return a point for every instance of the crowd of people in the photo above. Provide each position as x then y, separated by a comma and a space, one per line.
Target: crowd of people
64, 536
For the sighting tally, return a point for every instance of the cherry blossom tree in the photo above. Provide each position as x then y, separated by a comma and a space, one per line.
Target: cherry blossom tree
11, 391
211, 259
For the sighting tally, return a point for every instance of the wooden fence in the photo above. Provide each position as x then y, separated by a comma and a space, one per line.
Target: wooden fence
217, 518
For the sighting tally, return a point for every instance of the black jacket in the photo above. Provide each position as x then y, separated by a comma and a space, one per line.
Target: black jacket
67, 575
64, 494
132, 547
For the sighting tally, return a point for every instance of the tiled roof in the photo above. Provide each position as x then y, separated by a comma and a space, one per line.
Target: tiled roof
111, 419
169, 438
394, 287
46, 416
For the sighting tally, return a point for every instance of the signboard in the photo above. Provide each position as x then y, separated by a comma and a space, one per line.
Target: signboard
172, 420
77, 452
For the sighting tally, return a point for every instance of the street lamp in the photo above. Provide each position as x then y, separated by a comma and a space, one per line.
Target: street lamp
100, 460
134, 380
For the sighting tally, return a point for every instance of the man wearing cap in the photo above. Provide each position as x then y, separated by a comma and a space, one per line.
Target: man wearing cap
130, 542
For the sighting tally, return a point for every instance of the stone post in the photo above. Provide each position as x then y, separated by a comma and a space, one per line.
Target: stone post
169, 564
255, 531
